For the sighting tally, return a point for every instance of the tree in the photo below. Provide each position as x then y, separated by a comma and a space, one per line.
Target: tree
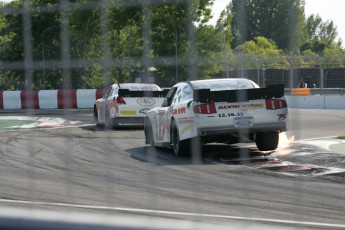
261, 51
211, 50
174, 40
321, 37
319, 30
279, 20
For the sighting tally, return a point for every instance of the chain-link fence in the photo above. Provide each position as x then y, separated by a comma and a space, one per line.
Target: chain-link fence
93, 44
80, 165
321, 72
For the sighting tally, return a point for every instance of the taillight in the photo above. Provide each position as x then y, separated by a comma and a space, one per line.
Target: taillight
274, 104
208, 108
120, 100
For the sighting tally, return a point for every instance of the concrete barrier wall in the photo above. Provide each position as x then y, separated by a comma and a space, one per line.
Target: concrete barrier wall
316, 102
11, 100
50, 99
85, 98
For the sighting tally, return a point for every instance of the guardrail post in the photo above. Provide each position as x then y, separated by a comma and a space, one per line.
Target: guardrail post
321, 77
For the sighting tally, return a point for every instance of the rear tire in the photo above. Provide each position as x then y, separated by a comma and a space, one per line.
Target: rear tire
181, 148
266, 141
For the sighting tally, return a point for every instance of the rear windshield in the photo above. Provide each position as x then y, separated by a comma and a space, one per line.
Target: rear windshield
232, 84
141, 87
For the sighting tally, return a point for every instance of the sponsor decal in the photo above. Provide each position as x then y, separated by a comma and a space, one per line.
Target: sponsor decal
186, 129
180, 110
248, 107
112, 111
162, 125
128, 112
161, 112
228, 106
185, 120
281, 117
146, 101
144, 111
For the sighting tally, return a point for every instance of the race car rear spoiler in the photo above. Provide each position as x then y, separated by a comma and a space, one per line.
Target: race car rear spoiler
240, 95
129, 93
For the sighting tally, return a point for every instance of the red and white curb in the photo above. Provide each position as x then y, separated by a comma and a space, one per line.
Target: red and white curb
275, 161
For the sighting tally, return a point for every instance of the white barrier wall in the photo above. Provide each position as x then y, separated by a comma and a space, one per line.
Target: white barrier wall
316, 102
335, 102
48, 99
306, 102
12, 100
85, 98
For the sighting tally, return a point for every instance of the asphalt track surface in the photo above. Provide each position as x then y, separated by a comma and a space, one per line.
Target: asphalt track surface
89, 169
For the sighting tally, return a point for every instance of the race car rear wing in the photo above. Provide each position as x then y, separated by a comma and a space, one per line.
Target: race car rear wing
240, 95
129, 93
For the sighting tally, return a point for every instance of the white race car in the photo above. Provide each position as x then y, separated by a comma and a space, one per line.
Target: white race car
217, 110
127, 103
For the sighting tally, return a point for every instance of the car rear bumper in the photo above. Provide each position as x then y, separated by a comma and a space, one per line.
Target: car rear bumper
263, 127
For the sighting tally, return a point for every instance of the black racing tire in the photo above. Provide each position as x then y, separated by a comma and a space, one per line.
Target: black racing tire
267, 141
149, 138
95, 117
180, 148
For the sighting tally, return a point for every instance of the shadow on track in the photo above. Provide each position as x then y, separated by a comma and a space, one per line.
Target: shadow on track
210, 154
97, 128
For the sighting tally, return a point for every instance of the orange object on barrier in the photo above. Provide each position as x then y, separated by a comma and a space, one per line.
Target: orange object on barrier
300, 91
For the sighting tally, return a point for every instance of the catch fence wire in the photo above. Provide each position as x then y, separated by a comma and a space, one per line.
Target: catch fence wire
324, 72
107, 62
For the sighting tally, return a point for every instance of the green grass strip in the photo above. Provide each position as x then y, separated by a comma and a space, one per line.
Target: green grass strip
8, 124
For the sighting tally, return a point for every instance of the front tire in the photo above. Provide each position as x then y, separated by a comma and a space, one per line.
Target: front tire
181, 148
95, 117
267, 141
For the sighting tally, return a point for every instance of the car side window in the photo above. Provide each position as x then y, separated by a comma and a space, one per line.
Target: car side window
178, 95
110, 92
186, 93
169, 98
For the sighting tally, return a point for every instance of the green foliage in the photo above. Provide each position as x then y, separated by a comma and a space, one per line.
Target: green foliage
279, 20
261, 47
261, 52
319, 30
211, 49
322, 37
110, 42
